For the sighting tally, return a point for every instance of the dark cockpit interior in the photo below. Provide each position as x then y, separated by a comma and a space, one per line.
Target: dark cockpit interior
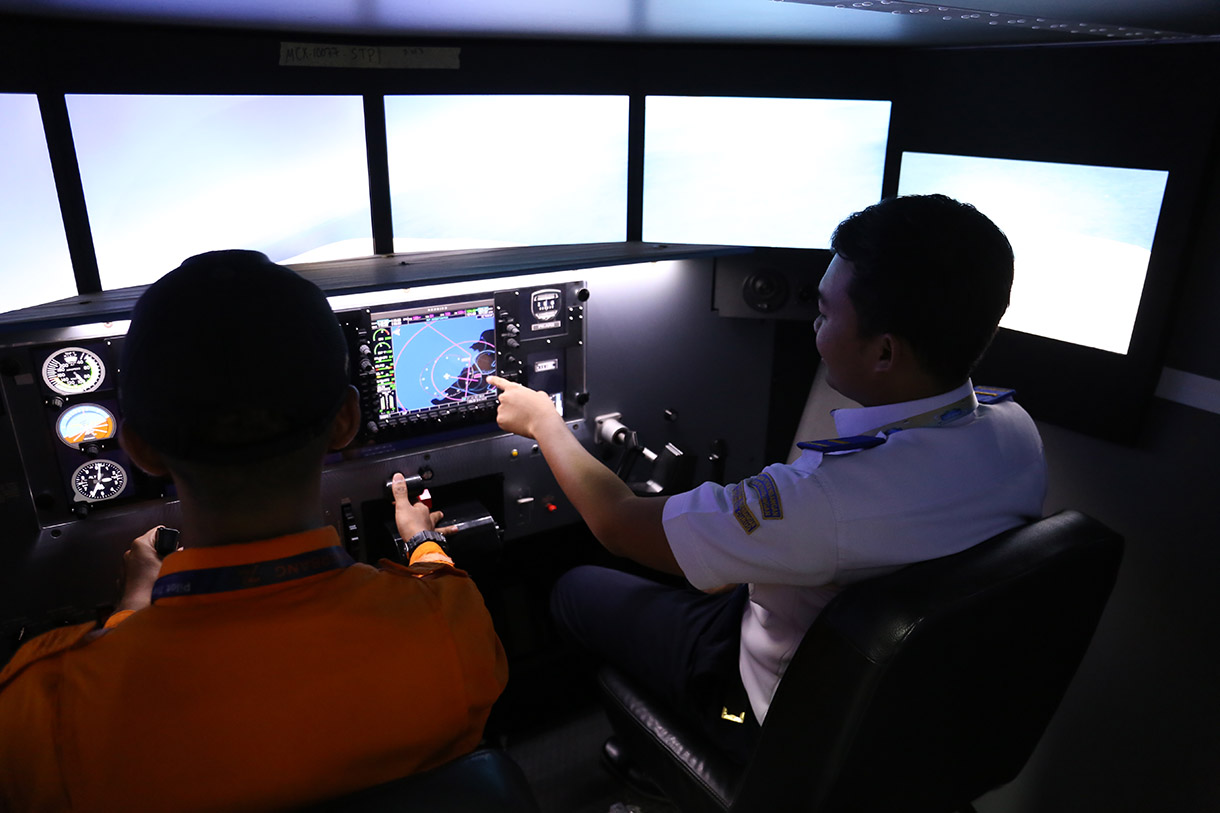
629, 206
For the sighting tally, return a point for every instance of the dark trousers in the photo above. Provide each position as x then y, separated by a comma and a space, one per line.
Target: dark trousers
678, 643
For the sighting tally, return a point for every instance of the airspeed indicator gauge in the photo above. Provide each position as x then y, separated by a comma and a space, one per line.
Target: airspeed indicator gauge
99, 480
73, 370
85, 423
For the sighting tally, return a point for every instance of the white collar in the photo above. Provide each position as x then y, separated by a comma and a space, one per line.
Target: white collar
856, 420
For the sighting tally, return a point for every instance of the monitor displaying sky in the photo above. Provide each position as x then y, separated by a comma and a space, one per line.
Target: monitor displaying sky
167, 177
34, 265
759, 171
476, 171
1081, 235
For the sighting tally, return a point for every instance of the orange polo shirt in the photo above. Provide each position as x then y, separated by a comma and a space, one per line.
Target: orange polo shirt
253, 698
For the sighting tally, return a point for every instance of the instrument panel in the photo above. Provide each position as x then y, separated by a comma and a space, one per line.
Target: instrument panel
641, 333
77, 396
419, 359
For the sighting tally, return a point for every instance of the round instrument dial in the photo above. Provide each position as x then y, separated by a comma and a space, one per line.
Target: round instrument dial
85, 423
73, 370
99, 480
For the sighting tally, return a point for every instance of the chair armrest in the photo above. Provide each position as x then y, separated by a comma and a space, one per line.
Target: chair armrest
694, 773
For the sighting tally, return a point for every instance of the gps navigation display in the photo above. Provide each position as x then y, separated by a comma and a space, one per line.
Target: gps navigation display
434, 357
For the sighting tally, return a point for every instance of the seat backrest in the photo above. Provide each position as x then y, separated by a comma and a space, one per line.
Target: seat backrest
925, 688
486, 779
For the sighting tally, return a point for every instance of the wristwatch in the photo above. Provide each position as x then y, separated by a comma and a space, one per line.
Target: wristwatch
420, 538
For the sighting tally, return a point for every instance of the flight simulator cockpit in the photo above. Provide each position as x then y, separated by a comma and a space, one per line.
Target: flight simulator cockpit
616, 342
677, 362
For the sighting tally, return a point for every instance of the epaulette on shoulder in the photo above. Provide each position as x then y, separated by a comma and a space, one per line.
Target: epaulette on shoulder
993, 395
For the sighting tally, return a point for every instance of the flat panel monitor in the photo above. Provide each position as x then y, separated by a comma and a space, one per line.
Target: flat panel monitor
1081, 235
434, 357
480, 171
35, 266
759, 171
167, 177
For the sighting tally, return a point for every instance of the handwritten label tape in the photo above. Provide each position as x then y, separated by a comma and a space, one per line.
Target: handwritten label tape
323, 55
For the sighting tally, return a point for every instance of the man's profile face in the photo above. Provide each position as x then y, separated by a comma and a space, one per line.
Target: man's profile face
844, 353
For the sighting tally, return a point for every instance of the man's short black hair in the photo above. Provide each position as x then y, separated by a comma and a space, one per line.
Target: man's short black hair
231, 358
932, 270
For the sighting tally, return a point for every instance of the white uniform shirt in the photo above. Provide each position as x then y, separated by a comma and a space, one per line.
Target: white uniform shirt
799, 532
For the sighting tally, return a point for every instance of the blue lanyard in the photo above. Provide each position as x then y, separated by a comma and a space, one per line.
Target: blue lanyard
256, 574
932, 418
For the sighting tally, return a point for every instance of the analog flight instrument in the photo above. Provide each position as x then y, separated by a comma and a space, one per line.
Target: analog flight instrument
73, 370
85, 423
99, 480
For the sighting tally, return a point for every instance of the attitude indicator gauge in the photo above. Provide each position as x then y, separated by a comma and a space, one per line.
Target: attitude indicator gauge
85, 423
99, 480
73, 370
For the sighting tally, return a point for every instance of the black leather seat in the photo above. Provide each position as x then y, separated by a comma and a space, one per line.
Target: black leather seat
915, 691
485, 779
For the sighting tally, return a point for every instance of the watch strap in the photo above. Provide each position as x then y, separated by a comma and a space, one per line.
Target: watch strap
420, 538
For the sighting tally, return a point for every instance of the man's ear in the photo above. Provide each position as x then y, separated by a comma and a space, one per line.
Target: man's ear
894, 353
885, 352
347, 422
146, 457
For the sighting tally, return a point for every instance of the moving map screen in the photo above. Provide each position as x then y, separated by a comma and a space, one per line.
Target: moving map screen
433, 357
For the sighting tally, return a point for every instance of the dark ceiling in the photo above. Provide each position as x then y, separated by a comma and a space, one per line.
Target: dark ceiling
827, 22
